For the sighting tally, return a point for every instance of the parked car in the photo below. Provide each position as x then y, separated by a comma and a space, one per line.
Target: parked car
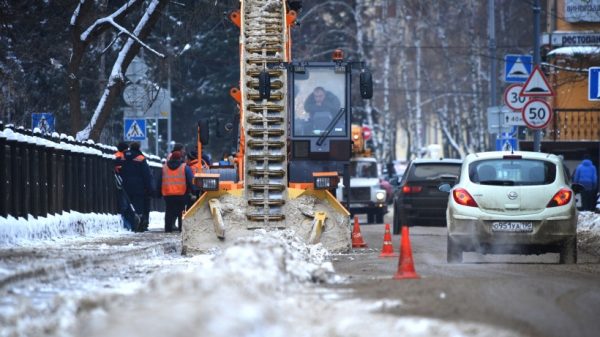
418, 200
517, 202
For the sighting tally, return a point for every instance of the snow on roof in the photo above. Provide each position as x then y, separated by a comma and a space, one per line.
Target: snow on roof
577, 50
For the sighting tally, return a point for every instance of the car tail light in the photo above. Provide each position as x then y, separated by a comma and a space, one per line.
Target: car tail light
462, 197
411, 189
561, 198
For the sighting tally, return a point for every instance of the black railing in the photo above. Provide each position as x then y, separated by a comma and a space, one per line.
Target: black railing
43, 174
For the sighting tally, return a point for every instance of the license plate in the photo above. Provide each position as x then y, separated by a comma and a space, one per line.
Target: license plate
511, 226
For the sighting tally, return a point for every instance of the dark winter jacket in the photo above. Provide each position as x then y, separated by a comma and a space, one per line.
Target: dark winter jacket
136, 174
189, 175
586, 175
331, 104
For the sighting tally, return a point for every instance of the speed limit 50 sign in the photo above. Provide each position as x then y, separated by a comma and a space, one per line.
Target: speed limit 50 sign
537, 114
512, 98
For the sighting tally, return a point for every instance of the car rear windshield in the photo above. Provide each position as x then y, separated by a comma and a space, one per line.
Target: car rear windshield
510, 172
431, 171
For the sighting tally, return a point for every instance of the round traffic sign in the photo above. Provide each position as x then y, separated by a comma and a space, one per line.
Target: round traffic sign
537, 114
512, 98
366, 132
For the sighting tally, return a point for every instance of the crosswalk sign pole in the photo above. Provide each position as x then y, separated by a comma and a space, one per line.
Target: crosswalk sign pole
537, 134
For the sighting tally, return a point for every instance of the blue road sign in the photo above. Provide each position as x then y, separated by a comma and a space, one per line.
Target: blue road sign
43, 121
594, 84
506, 144
134, 129
517, 68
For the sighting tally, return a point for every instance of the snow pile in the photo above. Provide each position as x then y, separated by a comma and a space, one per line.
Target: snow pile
22, 231
261, 286
588, 232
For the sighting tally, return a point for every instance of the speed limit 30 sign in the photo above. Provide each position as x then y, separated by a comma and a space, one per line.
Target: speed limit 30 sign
512, 98
537, 114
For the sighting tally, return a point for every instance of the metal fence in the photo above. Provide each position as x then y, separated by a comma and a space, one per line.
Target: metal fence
48, 174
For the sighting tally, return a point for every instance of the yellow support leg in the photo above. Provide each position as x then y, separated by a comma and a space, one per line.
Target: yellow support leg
215, 211
317, 227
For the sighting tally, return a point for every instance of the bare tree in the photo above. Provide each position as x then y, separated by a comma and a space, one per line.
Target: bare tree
81, 39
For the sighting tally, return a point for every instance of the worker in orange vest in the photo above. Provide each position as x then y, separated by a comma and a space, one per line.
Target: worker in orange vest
176, 185
120, 155
192, 161
137, 183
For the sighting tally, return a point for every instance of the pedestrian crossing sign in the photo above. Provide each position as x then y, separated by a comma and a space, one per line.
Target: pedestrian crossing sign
506, 144
517, 68
135, 129
43, 121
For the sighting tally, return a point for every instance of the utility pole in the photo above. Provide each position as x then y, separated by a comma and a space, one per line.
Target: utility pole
537, 134
493, 63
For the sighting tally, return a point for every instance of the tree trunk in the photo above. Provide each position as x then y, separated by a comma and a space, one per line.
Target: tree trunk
116, 80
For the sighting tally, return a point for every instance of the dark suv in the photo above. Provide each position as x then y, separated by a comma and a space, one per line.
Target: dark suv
418, 201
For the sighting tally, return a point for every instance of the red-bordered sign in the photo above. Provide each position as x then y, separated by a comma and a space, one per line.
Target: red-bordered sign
537, 114
513, 99
537, 84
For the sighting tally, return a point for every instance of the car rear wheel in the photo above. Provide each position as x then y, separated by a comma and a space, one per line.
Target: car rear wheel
568, 251
454, 252
396, 225
396, 221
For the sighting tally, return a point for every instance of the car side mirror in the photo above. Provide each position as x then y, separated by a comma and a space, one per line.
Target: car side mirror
577, 188
445, 188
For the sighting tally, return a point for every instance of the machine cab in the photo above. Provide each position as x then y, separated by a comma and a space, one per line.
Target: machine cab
319, 115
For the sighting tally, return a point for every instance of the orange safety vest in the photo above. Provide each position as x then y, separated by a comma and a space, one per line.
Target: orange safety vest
173, 181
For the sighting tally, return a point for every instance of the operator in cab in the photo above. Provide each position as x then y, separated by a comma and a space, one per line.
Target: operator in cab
321, 106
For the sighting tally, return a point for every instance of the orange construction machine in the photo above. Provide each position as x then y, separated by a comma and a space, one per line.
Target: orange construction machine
294, 141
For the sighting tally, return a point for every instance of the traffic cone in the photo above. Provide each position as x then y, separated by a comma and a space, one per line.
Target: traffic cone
388, 249
357, 239
406, 266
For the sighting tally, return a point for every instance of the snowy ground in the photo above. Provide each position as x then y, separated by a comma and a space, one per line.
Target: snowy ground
267, 285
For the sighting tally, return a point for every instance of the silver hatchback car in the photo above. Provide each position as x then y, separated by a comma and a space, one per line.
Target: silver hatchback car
505, 202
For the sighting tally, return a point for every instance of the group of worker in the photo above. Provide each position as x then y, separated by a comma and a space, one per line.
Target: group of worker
174, 184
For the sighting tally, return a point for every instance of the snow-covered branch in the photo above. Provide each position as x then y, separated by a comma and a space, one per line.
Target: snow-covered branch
111, 21
76, 13
100, 22
121, 63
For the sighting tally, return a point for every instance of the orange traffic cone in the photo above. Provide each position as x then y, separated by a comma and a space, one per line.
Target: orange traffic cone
406, 266
357, 239
388, 249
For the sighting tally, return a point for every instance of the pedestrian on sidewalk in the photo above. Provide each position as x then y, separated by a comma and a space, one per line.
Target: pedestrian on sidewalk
122, 204
176, 186
137, 183
587, 176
